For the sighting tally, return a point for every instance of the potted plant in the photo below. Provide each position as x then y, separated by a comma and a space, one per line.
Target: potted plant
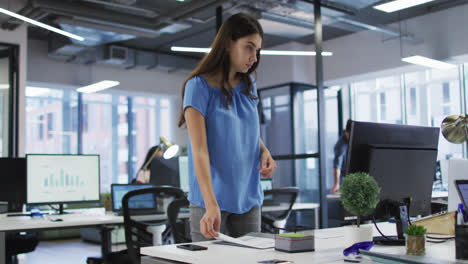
106, 201
415, 240
360, 195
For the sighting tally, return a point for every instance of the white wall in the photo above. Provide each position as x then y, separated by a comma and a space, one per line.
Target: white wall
364, 55
19, 37
44, 71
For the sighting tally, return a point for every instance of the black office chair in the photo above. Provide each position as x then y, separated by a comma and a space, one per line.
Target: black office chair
17, 243
177, 229
137, 233
283, 197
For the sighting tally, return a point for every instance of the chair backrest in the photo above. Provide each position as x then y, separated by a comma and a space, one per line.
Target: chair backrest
283, 197
178, 228
136, 226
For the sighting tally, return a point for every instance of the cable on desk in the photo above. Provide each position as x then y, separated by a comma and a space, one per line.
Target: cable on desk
380, 232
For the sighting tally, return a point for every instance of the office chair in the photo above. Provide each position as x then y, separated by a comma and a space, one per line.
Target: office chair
283, 197
177, 229
137, 229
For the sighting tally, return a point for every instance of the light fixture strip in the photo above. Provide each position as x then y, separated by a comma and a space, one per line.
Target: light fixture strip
427, 62
99, 86
263, 52
39, 24
400, 5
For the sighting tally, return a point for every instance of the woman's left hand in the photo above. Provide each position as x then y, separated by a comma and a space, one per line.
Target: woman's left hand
268, 165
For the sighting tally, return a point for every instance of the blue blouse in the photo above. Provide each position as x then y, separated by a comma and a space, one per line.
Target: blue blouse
233, 137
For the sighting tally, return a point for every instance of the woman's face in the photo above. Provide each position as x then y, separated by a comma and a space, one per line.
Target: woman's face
243, 52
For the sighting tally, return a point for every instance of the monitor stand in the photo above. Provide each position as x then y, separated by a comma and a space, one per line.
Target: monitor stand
60, 211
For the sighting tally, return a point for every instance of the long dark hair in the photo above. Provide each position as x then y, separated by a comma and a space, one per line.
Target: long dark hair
235, 27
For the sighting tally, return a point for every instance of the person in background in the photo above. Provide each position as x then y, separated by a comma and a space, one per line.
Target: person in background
225, 152
339, 162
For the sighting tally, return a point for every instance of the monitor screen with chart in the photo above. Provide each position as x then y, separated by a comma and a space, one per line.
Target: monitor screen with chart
52, 178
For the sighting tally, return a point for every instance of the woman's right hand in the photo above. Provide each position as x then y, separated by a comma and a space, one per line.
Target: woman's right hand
211, 222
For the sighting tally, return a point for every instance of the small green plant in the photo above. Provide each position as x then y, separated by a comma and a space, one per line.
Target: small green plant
415, 230
359, 194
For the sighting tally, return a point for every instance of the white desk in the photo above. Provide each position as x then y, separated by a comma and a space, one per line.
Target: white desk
85, 218
89, 218
329, 245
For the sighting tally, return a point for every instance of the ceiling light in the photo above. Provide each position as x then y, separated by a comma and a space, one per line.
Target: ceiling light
263, 52
37, 23
99, 86
423, 61
293, 53
32, 91
399, 5
190, 49
4, 86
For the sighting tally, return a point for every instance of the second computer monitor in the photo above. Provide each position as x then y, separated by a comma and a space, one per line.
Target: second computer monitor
173, 172
401, 158
62, 178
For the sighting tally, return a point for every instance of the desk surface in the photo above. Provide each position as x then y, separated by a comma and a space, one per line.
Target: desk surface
91, 217
329, 245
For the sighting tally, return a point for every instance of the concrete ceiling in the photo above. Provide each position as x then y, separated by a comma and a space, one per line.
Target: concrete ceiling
153, 26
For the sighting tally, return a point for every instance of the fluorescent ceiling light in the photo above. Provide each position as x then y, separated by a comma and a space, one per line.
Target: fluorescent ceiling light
423, 61
263, 52
399, 5
99, 86
37, 23
33, 91
293, 53
4, 86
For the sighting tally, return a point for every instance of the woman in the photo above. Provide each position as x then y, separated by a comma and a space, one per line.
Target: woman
226, 154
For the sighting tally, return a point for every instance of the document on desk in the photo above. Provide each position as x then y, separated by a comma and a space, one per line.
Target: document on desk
248, 241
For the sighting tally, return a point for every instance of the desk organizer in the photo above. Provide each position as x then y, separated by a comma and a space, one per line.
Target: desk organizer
294, 242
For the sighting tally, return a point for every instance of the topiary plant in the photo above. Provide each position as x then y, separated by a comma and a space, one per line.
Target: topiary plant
415, 230
359, 194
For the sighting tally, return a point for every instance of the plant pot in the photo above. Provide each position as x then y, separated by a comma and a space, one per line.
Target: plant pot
108, 205
415, 245
354, 234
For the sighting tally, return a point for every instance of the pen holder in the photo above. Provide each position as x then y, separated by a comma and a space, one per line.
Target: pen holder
461, 242
294, 242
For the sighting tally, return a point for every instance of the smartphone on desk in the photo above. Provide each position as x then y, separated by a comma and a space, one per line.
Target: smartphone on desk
192, 247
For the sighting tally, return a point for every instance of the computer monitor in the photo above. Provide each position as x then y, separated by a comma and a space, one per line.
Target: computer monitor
13, 182
59, 179
401, 158
165, 171
139, 204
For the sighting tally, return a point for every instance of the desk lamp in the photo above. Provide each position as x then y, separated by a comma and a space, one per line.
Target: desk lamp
455, 128
168, 149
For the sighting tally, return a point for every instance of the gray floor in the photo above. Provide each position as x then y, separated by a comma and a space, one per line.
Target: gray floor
70, 251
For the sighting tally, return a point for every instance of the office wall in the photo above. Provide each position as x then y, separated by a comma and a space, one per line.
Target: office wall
43, 70
19, 37
365, 55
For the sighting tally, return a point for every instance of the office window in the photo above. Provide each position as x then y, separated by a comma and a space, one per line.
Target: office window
146, 127
50, 125
377, 100
105, 127
48, 117
98, 137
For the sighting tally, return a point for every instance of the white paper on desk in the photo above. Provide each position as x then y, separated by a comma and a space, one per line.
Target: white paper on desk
248, 241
